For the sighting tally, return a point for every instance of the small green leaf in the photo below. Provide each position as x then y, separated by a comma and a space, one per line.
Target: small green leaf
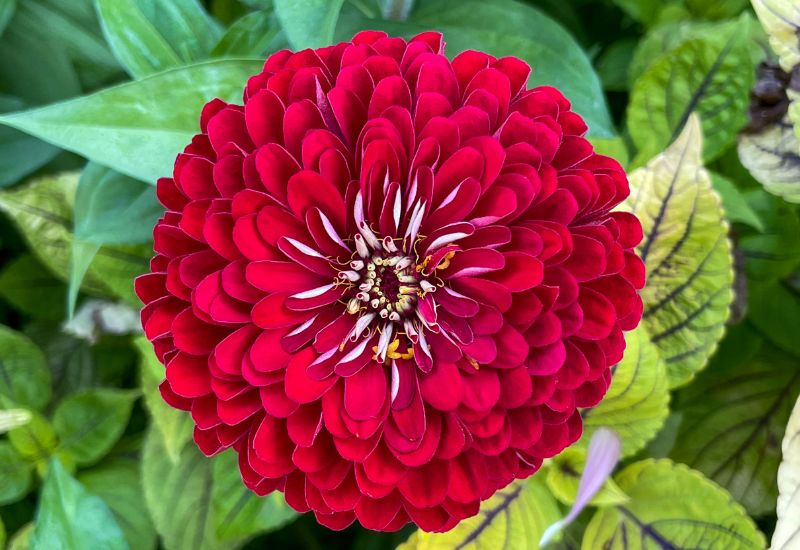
248, 36
732, 421
514, 518
564, 476
659, 514
636, 404
173, 426
138, 128
773, 158
308, 24
27, 285
710, 75
22, 538
24, 376
69, 517
34, 441
118, 483
735, 204
89, 422
788, 508
15, 474
687, 255
774, 253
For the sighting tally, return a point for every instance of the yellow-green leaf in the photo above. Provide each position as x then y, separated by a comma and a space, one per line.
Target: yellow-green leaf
773, 158
671, 506
636, 404
513, 519
786, 535
781, 19
686, 252
564, 476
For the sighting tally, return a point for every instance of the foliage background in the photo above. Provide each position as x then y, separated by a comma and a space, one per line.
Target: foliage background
92, 458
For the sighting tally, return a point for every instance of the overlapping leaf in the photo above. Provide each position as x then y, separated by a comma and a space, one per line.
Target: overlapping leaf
787, 531
659, 514
774, 253
687, 255
514, 518
773, 158
24, 376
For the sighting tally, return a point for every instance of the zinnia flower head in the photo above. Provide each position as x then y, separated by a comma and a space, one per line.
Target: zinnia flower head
389, 281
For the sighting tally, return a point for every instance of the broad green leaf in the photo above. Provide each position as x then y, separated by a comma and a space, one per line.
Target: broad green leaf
734, 203
564, 475
710, 75
774, 310
514, 519
187, 27
786, 534
174, 427
248, 36
773, 158
69, 517
24, 377
781, 19
502, 28
27, 285
15, 474
636, 404
196, 505
774, 253
43, 211
20, 154
732, 421
111, 208
88, 423
134, 39
687, 255
612, 65
7, 8
118, 483
138, 128
238, 513
308, 24
671, 506
34, 441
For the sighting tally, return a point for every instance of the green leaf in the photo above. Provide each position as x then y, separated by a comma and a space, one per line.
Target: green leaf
15, 474
118, 483
773, 158
138, 128
612, 65
687, 255
614, 147
732, 421
514, 518
24, 377
3, 534
774, 310
710, 75
42, 210
735, 204
564, 476
716, 9
20, 154
27, 285
22, 538
89, 422
187, 27
644, 11
636, 404
249, 36
34, 441
173, 426
502, 28
788, 508
69, 517
774, 253
659, 514
308, 24
196, 505
781, 20
135, 41
7, 8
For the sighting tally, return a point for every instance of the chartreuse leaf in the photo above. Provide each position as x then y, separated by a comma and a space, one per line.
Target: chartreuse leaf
138, 128
15, 474
308, 24
687, 255
21, 540
174, 427
514, 518
636, 404
732, 421
564, 476
710, 75
774, 253
43, 211
89, 422
24, 376
671, 506
773, 158
69, 517
27, 285
118, 483
502, 28
194, 503
786, 535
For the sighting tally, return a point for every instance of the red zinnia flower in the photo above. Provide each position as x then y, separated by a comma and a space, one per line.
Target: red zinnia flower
389, 281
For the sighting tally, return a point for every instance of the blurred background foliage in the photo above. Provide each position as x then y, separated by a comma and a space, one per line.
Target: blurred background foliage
91, 456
